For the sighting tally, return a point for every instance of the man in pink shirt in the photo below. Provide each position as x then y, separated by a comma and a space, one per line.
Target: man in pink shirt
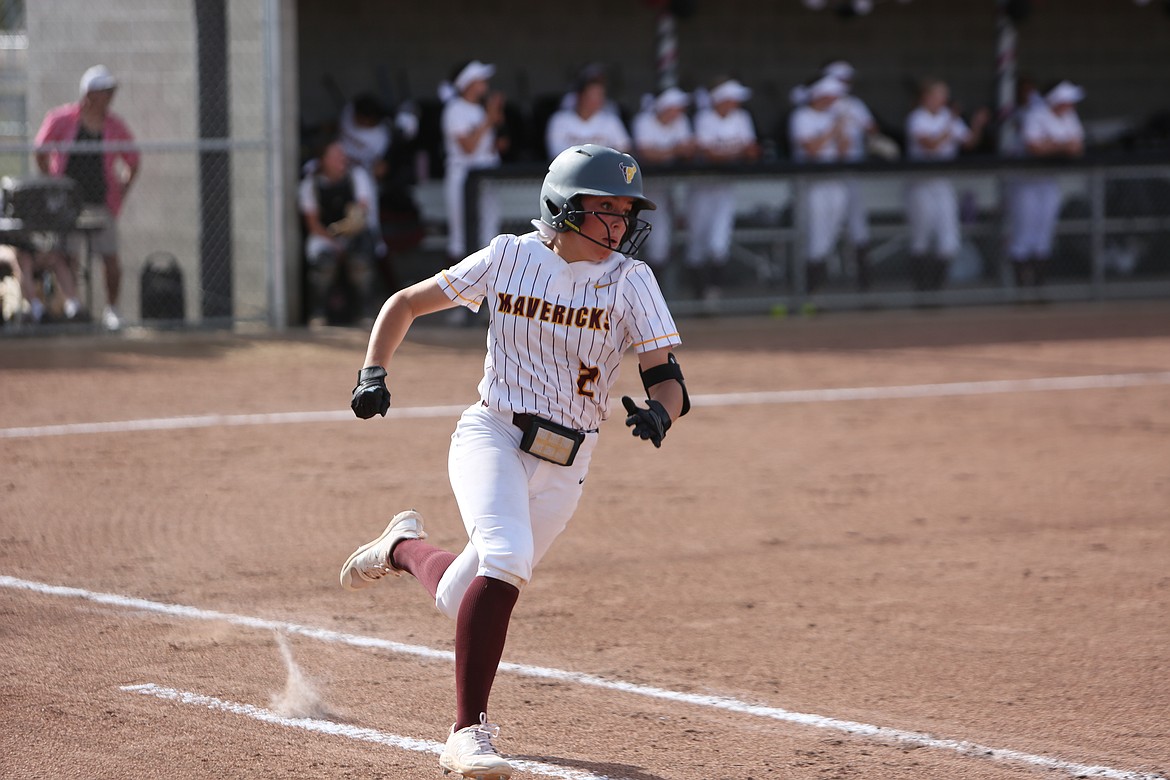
103, 176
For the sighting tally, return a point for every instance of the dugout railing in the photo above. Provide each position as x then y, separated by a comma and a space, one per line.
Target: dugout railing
1112, 238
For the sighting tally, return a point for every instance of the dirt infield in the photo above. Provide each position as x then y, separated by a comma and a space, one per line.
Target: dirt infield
972, 561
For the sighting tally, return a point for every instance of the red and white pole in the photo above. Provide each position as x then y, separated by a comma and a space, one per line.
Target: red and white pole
666, 51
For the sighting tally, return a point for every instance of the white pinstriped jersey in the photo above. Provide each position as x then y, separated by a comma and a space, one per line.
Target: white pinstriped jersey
558, 330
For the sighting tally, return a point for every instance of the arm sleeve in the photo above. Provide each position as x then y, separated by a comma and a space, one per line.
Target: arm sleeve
48, 131
862, 113
554, 136
620, 137
460, 119
643, 133
801, 127
120, 131
1034, 130
363, 186
306, 196
650, 325
704, 130
467, 282
746, 127
959, 130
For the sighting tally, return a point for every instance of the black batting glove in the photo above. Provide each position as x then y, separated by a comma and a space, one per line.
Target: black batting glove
651, 423
370, 397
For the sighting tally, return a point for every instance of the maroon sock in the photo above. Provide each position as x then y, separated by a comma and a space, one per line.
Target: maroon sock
425, 561
480, 631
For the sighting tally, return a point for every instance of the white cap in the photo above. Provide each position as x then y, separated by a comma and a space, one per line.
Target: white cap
671, 98
840, 69
730, 90
472, 72
1065, 92
827, 87
97, 78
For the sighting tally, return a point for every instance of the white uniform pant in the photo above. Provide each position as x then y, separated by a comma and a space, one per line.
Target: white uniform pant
513, 504
826, 207
489, 213
710, 222
656, 250
932, 209
1035, 207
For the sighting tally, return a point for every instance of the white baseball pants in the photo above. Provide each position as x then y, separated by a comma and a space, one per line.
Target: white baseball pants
710, 219
656, 250
932, 209
1035, 208
513, 504
826, 207
489, 213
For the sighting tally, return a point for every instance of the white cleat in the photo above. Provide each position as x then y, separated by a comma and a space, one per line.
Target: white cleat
470, 753
110, 319
371, 561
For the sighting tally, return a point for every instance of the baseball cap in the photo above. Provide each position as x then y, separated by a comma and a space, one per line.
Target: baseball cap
828, 86
96, 79
472, 72
671, 98
839, 70
1065, 92
730, 90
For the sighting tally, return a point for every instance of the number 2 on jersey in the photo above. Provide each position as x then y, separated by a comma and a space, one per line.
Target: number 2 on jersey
586, 376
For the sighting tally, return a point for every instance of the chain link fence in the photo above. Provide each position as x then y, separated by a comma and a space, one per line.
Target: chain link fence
138, 185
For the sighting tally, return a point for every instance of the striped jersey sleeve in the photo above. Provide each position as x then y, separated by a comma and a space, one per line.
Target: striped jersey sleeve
467, 281
646, 322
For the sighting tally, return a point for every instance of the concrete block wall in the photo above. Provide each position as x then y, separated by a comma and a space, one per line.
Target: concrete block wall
151, 49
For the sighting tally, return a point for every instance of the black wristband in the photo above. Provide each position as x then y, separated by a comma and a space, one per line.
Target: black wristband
371, 374
660, 411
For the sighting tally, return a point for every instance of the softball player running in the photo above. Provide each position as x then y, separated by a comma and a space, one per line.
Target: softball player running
565, 303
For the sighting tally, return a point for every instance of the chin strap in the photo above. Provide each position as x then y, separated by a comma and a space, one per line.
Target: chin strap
637, 230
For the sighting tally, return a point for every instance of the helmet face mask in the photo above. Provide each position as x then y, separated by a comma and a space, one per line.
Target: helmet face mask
594, 170
637, 230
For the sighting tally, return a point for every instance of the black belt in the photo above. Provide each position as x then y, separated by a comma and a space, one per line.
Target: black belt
524, 421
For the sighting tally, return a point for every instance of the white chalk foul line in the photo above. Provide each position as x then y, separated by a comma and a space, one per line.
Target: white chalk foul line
216, 421
821, 395
864, 730
1043, 384
332, 728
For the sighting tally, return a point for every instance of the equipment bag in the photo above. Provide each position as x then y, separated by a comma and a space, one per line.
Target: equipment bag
162, 288
42, 203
